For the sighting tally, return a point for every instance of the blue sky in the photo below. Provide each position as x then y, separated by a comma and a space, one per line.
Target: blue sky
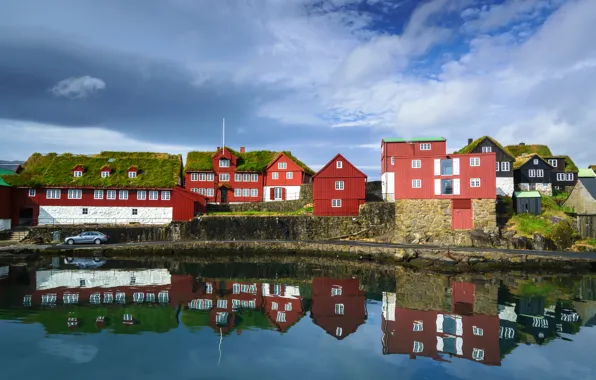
316, 77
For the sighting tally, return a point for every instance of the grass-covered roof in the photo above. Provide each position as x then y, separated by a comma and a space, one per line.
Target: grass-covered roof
518, 150
254, 161
158, 170
520, 161
470, 147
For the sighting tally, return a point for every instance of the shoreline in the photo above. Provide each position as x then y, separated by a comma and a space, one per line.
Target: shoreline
445, 259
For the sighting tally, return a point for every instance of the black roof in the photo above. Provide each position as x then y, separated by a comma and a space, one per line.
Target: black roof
590, 185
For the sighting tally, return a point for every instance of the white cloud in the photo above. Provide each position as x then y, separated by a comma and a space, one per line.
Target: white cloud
77, 88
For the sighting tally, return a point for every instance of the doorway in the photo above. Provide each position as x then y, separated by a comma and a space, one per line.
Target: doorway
277, 193
224, 195
461, 214
26, 217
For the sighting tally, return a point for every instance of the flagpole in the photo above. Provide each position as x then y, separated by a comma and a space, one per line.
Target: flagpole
223, 145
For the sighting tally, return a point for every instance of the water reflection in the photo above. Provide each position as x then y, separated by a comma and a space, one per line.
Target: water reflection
478, 318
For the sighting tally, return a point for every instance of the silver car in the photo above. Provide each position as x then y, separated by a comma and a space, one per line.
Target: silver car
94, 237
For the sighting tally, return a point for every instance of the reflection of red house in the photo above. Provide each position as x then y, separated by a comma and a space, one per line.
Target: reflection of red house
282, 305
431, 333
338, 306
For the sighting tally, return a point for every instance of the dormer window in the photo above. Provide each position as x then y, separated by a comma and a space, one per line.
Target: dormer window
105, 174
224, 163
132, 174
535, 161
78, 173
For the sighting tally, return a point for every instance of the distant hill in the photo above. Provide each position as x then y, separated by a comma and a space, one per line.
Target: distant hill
10, 165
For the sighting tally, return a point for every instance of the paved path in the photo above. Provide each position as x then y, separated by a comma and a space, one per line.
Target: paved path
566, 254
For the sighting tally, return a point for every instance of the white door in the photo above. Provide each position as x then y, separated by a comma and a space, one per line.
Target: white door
277, 193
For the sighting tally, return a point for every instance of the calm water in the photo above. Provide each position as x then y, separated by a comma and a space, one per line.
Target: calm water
120, 319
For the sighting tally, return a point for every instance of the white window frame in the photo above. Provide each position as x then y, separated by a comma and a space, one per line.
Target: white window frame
275, 175
246, 193
210, 192
238, 177
288, 306
552, 162
282, 165
339, 309
339, 185
32, 192
165, 195
339, 164
289, 175
141, 195
535, 161
418, 326
498, 166
254, 192
202, 176
53, 193
224, 163
532, 173
338, 331
224, 177
336, 290
153, 195
416, 164
75, 194
194, 177
78, 173
474, 161
336, 203
425, 146
274, 306
237, 192
505, 166
254, 178
569, 176
123, 194
211, 177
478, 354
105, 174
416, 184
392, 160
246, 177
278, 193
477, 331
487, 149
132, 174
110, 194
418, 347
540, 173
474, 182
561, 176
281, 317
97, 194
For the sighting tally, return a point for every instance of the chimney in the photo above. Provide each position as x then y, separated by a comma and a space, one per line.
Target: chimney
470, 141
522, 143
218, 148
242, 149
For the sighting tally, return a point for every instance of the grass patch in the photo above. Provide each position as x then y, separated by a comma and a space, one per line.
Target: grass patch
518, 150
470, 147
528, 224
306, 210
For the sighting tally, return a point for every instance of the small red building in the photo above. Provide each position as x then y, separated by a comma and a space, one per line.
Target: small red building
339, 189
5, 201
338, 306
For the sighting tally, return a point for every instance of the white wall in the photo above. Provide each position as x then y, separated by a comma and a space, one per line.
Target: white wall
74, 215
4, 224
389, 300
49, 279
292, 193
505, 184
388, 186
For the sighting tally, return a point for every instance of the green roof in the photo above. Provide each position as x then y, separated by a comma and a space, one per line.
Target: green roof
527, 194
518, 150
4, 172
161, 170
415, 139
254, 161
586, 173
470, 147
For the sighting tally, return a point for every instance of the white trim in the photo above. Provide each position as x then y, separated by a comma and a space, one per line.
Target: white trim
111, 194
165, 195
141, 195
194, 177
132, 174
224, 163
540, 173
416, 164
53, 193
474, 161
505, 166
282, 165
339, 185
439, 323
437, 166
97, 194
438, 186
474, 182
224, 177
77, 173
75, 194
153, 195
32, 192
275, 175
425, 146
416, 184
339, 165
455, 166
289, 175
123, 194
336, 203
456, 186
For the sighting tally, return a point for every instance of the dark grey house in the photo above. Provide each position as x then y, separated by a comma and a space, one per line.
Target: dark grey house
532, 173
527, 202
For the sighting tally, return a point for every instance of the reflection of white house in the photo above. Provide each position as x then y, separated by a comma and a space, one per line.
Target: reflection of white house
49, 279
389, 306
507, 312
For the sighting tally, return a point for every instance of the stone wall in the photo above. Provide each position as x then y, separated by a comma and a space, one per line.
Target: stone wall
274, 206
375, 219
542, 188
485, 214
117, 234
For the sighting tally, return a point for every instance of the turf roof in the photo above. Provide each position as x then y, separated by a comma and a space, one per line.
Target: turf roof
158, 170
518, 150
470, 147
570, 166
520, 161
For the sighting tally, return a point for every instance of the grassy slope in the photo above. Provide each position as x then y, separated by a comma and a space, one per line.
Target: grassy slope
527, 224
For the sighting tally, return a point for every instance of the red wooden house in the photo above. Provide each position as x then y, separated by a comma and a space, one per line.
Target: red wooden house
229, 176
110, 187
339, 188
338, 306
434, 333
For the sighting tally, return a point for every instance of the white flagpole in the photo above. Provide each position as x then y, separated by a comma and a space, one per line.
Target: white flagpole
223, 145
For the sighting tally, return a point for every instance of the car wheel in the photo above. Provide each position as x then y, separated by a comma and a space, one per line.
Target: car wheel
69, 259
70, 242
97, 241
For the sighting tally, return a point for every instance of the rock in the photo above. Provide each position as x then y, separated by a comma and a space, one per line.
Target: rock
556, 219
562, 235
542, 243
473, 260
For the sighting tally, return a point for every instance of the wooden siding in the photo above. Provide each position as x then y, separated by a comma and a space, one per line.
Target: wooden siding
5, 200
232, 185
404, 174
522, 174
298, 176
405, 149
587, 226
500, 157
560, 184
349, 207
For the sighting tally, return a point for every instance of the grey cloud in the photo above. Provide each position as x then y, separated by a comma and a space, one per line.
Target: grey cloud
77, 88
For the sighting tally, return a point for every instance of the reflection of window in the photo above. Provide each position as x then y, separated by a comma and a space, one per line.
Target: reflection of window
163, 297
288, 307
273, 305
70, 298
418, 347
138, 297
222, 304
339, 309
121, 297
336, 291
108, 297
221, 318
477, 354
338, 331
27, 300
417, 326
150, 297
208, 288
478, 331
48, 299
95, 298
281, 317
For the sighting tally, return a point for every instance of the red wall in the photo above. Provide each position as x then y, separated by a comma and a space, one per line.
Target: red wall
298, 178
5, 200
232, 185
404, 174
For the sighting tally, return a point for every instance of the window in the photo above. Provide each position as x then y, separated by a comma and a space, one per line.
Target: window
416, 184
416, 164
474, 182
336, 203
138, 297
277, 193
150, 297
224, 163
392, 160
71, 298
339, 164
561, 176
336, 290
535, 161
339, 185
281, 317
505, 166
237, 192
273, 305
245, 192
105, 174
447, 167
135, 211
447, 187
210, 177
425, 146
282, 165
477, 354
108, 297
288, 307
123, 194
163, 297
222, 304
254, 177
132, 174
95, 298
75, 194
27, 300
552, 162
254, 192
120, 297
141, 195
532, 173
85, 211
474, 161
31, 192
236, 288
487, 149
208, 288
539, 173
238, 177
221, 318
338, 331
224, 177
194, 176
210, 192
202, 176
339, 308
418, 347
498, 166
418, 326
246, 177
111, 194
78, 173
275, 175
569, 176
53, 193
289, 175
48, 299
478, 331
153, 195
165, 195
133, 280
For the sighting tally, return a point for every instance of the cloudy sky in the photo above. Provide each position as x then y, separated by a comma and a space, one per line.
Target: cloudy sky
315, 77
